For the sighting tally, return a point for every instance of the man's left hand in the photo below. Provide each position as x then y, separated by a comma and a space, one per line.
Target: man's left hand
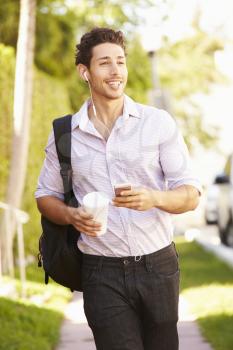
137, 199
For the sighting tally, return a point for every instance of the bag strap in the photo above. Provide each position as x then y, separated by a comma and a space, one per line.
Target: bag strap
62, 134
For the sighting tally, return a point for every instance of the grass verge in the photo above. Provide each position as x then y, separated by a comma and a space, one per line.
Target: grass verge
32, 323
207, 285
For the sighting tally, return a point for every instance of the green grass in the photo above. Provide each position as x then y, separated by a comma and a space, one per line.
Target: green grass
27, 326
207, 284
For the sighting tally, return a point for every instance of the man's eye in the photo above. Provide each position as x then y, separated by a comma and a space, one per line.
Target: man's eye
121, 62
103, 63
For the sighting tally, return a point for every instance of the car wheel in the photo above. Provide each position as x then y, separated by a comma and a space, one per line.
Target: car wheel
229, 234
222, 234
226, 233
223, 237
211, 222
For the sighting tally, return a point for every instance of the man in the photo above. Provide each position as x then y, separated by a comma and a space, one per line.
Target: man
131, 273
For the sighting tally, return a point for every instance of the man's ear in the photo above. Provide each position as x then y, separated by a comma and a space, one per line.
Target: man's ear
83, 71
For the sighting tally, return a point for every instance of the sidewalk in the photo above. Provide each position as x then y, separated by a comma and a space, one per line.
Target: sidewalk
76, 334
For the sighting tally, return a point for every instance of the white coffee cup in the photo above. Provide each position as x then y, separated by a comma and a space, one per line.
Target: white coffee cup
96, 203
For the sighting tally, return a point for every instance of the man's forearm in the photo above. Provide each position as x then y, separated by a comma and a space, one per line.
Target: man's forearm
53, 209
177, 201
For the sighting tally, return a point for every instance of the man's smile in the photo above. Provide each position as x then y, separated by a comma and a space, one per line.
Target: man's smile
114, 84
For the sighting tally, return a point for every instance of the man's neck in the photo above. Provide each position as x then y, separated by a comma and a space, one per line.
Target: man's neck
107, 110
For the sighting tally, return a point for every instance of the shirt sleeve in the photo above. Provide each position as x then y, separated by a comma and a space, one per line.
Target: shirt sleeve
50, 181
174, 156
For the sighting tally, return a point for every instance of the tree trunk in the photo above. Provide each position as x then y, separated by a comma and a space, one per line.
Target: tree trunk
21, 116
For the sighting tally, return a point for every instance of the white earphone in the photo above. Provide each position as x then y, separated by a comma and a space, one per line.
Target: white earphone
85, 76
94, 109
87, 80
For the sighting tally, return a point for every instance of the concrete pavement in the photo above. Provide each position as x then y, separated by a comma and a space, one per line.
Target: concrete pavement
189, 333
76, 334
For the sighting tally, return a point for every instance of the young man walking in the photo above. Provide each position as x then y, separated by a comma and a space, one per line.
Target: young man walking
130, 274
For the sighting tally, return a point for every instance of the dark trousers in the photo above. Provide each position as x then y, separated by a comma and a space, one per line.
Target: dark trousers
130, 304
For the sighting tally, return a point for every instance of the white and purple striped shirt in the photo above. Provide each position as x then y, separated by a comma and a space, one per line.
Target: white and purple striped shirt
145, 149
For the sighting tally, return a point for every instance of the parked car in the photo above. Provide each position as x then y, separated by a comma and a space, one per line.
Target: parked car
211, 204
225, 203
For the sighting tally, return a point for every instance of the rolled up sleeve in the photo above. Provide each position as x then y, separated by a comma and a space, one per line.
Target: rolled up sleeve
50, 181
174, 157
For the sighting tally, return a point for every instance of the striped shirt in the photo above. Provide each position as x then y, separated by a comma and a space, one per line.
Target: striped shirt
146, 149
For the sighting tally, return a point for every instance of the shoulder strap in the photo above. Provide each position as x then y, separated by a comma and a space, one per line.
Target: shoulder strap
62, 134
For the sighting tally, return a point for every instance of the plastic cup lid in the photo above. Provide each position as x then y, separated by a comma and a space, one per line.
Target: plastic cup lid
95, 199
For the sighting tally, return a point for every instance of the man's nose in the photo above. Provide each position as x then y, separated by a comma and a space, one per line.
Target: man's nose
114, 68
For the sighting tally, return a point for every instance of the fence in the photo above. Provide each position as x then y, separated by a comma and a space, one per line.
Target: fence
13, 218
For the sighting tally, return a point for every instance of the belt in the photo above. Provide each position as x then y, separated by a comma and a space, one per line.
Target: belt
95, 259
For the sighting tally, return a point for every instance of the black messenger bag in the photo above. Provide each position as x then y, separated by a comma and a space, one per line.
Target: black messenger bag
58, 251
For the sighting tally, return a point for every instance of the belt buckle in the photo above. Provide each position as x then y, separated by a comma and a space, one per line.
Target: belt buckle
137, 258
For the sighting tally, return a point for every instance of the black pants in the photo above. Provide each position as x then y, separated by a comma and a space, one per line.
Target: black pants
130, 304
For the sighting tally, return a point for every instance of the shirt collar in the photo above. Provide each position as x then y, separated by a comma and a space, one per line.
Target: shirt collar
130, 108
80, 119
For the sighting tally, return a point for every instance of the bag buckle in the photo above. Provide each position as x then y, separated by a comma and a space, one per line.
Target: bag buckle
137, 258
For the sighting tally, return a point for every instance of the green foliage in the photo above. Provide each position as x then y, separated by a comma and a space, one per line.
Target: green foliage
27, 327
199, 267
139, 81
50, 100
9, 21
117, 14
58, 27
55, 34
78, 91
207, 285
7, 67
51, 296
55, 41
193, 125
186, 68
215, 325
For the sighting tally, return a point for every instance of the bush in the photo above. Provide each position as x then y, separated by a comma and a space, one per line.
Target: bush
27, 327
7, 64
50, 100
32, 322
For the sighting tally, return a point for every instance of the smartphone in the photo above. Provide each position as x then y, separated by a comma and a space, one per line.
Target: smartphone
122, 187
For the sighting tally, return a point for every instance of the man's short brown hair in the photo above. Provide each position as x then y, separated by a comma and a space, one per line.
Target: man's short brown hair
95, 37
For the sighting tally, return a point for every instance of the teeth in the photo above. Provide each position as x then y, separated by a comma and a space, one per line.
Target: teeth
115, 84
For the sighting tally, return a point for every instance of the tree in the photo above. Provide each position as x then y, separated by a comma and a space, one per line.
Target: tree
59, 26
9, 22
187, 67
21, 112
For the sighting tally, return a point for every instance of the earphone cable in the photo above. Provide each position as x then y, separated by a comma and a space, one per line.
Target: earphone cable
94, 109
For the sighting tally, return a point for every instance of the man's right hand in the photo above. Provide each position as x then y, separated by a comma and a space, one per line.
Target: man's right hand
83, 221
58, 212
